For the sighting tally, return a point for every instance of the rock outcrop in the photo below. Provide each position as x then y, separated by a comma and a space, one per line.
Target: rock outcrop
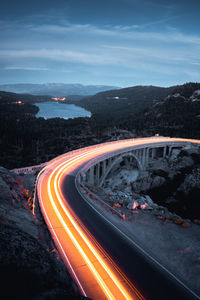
172, 182
191, 182
28, 270
30, 267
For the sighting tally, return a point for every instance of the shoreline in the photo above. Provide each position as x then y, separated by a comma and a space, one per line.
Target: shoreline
46, 113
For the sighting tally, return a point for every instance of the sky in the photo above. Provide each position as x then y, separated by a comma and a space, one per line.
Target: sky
109, 42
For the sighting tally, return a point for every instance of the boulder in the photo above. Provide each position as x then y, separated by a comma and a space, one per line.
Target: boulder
196, 221
157, 181
141, 202
178, 221
185, 224
133, 205
192, 181
11, 187
149, 201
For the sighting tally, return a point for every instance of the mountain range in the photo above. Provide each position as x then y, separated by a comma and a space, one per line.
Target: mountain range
55, 89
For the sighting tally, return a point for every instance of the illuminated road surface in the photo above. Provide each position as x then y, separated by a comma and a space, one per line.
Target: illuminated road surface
96, 274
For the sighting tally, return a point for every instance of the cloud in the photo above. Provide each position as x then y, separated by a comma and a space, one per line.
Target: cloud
26, 68
62, 55
108, 59
63, 29
196, 63
172, 56
133, 32
117, 50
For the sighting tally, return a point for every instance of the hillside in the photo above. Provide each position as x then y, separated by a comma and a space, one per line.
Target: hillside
30, 267
55, 89
117, 104
132, 112
9, 97
178, 114
173, 111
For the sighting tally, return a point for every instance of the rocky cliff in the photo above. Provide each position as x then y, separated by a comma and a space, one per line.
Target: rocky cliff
30, 266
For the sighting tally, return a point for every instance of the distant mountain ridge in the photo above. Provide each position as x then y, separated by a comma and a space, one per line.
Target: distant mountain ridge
121, 103
55, 89
172, 111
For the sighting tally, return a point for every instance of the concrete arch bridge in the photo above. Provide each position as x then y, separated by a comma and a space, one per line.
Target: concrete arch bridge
97, 170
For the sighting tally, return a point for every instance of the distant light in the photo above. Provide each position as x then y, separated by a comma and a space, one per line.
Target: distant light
59, 99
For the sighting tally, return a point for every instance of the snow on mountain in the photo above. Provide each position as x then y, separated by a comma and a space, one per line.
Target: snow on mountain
56, 89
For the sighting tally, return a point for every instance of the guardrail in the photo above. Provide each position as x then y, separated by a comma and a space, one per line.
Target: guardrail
28, 170
87, 194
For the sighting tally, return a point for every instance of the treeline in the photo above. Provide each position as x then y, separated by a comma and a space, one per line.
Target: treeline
148, 110
27, 140
8, 97
116, 105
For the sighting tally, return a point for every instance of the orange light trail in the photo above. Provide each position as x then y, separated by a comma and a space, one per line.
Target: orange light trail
91, 267
92, 248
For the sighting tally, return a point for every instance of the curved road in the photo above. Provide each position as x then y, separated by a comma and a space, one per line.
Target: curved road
104, 263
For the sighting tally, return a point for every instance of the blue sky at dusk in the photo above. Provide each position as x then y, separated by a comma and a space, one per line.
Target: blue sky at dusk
121, 42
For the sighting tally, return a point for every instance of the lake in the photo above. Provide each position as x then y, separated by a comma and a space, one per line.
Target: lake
49, 110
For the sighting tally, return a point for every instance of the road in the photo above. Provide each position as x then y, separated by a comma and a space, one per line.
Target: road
104, 263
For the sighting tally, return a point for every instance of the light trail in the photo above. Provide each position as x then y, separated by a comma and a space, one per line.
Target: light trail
77, 246
68, 231
56, 239
86, 240
62, 168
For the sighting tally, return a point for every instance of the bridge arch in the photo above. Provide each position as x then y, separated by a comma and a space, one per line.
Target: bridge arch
117, 161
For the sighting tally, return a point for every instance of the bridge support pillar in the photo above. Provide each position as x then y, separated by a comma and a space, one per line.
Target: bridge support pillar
109, 162
91, 176
170, 151
103, 167
97, 173
147, 157
136, 153
164, 151
140, 154
143, 156
153, 153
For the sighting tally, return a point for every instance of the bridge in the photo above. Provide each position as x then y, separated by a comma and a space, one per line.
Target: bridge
97, 170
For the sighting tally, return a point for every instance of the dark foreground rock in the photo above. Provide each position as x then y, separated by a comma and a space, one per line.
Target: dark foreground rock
28, 271
30, 267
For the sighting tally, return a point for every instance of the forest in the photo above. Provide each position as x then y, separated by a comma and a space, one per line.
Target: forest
144, 111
